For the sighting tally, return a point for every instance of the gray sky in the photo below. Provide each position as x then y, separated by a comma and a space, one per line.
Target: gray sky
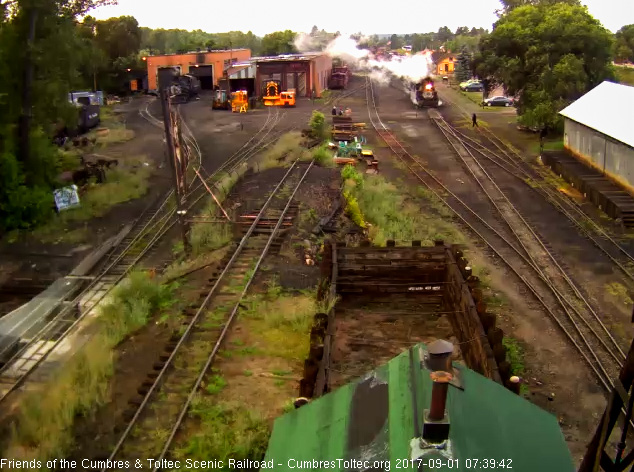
334, 15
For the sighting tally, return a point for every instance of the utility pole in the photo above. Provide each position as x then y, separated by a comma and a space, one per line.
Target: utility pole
175, 157
25, 118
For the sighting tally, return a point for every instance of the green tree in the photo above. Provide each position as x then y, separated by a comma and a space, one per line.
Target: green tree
509, 5
624, 45
463, 70
548, 55
59, 52
396, 42
119, 37
444, 34
279, 42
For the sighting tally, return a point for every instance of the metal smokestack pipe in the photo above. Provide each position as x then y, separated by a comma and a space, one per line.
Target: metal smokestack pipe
439, 394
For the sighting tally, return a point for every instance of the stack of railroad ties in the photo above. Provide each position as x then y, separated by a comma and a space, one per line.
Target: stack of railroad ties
351, 144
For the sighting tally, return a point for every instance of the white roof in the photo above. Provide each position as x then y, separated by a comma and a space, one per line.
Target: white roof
608, 108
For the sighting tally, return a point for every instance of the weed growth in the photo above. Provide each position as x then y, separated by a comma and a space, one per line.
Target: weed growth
43, 429
323, 156
283, 153
392, 214
227, 430
514, 355
619, 291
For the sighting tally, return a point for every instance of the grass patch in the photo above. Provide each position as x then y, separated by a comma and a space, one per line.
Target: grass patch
215, 384
549, 145
283, 324
127, 182
392, 213
619, 292
514, 355
323, 156
284, 152
205, 237
227, 430
43, 428
624, 75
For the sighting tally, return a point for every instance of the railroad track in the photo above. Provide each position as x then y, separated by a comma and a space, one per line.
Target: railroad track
150, 227
20, 361
512, 163
507, 158
177, 378
522, 250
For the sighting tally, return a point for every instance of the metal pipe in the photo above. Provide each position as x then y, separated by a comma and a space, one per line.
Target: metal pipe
439, 390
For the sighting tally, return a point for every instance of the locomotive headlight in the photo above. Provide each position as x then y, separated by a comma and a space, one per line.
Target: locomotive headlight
428, 87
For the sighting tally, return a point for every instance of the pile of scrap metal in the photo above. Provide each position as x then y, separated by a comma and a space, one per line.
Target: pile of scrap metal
92, 168
351, 144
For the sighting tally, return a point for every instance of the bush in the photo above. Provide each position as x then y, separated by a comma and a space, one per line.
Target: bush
353, 210
21, 206
323, 156
317, 124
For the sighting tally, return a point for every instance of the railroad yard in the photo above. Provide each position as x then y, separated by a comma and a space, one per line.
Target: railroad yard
225, 337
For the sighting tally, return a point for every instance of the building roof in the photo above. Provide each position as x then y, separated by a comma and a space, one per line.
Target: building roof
608, 108
202, 51
307, 56
379, 417
241, 71
438, 56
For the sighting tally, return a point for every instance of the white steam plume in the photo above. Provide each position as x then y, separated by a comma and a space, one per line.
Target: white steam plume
305, 43
345, 48
380, 76
412, 67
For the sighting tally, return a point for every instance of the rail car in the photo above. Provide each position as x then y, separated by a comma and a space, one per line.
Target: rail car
339, 78
424, 94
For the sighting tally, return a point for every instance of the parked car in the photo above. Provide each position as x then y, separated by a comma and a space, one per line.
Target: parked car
474, 87
498, 102
463, 85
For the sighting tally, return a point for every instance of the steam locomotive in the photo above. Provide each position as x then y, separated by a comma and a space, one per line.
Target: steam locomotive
424, 94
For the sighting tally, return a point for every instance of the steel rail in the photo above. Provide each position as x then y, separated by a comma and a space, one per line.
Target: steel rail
536, 266
51, 328
556, 198
606, 382
229, 321
196, 317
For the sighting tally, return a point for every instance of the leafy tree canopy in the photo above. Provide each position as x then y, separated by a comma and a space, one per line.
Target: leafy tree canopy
548, 55
624, 45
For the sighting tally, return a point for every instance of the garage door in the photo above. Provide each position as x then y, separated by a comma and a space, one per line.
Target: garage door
205, 74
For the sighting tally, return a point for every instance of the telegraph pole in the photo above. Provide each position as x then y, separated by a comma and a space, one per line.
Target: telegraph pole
173, 157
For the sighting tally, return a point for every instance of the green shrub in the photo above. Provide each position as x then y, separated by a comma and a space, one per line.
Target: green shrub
323, 156
353, 211
317, 124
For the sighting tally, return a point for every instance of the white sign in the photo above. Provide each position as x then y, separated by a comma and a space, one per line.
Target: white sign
66, 197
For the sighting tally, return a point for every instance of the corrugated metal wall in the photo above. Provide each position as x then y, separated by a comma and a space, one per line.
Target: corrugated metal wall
609, 156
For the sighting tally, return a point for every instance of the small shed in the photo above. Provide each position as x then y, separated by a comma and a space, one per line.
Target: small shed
599, 130
385, 416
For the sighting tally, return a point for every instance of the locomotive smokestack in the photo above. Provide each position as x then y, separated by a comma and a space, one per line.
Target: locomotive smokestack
439, 395
436, 421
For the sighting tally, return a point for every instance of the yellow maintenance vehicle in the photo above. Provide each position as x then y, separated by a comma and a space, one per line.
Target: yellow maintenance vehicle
273, 96
239, 101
